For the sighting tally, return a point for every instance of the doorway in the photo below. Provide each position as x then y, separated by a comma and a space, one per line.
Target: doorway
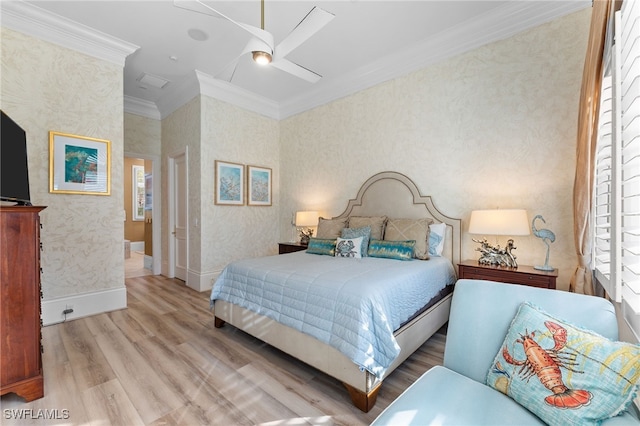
178, 215
142, 215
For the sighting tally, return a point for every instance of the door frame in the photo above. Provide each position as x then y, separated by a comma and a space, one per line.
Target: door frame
156, 205
171, 261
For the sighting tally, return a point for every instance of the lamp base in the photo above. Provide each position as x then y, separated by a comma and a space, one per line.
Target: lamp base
544, 268
490, 255
305, 235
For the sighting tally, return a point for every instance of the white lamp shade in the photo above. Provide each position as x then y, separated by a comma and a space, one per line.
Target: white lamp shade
306, 218
499, 222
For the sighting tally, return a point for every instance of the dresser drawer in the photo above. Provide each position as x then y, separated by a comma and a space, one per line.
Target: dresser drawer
523, 275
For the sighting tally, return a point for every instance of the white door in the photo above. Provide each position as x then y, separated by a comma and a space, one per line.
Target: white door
180, 216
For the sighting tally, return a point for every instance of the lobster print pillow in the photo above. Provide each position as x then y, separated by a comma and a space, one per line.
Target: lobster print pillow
563, 374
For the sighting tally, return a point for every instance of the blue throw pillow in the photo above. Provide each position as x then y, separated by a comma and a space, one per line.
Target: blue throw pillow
564, 374
364, 232
322, 246
436, 238
400, 250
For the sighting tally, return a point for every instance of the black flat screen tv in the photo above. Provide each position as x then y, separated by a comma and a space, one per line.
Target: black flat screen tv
14, 171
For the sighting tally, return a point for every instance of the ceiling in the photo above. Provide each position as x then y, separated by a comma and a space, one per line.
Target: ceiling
366, 43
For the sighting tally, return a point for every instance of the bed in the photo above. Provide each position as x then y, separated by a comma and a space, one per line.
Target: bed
286, 300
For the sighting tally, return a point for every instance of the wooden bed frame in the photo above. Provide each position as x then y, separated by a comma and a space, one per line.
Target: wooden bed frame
396, 196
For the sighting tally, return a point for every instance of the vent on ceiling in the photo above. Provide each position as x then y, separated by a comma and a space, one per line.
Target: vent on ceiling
153, 80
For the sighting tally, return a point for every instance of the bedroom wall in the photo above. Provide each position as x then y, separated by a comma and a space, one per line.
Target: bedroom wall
181, 131
142, 135
215, 130
228, 233
494, 127
47, 87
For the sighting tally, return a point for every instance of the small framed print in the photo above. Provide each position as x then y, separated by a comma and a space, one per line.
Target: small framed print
229, 183
79, 164
258, 186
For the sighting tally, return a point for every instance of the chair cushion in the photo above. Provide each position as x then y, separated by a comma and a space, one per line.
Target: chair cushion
444, 397
496, 304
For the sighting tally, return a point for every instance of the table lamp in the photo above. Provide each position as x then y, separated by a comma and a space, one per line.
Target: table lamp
510, 222
305, 220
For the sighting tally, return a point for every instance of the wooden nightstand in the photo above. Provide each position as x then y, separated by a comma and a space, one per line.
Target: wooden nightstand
290, 247
524, 275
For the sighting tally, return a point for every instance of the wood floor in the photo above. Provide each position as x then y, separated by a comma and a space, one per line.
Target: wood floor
162, 362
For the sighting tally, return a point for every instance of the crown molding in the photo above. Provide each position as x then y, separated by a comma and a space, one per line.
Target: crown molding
37, 22
141, 107
496, 25
227, 92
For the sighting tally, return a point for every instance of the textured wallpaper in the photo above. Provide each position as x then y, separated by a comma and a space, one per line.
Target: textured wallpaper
214, 130
228, 233
46, 87
492, 128
181, 133
142, 135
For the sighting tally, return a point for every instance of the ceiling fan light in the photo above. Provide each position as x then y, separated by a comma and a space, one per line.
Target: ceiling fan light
261, 58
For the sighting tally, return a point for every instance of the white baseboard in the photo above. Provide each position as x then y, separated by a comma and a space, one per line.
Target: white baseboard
148, 262
202, 281
83, 305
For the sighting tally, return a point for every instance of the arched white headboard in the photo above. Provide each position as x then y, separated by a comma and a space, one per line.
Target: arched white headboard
394, 195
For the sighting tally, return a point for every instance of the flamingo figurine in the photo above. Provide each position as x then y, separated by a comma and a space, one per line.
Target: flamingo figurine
547, 237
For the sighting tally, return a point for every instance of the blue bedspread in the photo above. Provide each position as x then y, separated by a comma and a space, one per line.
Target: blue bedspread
353, 305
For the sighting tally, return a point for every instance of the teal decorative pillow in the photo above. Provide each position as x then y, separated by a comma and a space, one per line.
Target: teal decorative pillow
364, 232
349, 247
564, 374
322, 246
401, 250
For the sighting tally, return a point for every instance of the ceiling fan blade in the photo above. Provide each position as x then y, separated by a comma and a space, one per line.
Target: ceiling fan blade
200, 7
310, 24
229, 70
297, 70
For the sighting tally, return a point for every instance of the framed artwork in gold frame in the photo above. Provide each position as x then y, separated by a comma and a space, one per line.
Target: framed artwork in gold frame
79, 164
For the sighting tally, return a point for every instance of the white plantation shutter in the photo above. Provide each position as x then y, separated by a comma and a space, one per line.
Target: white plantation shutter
603, 190
630, 162
616, 205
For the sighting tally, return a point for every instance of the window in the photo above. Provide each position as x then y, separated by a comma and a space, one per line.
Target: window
630, 161
616, 209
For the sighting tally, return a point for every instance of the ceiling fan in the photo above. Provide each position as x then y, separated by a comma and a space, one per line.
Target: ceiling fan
261, 45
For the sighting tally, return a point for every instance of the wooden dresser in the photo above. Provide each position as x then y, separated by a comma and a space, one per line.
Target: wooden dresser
523, 274
20, 323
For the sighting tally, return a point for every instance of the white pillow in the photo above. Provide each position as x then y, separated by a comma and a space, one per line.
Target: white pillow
437, 232
349, 247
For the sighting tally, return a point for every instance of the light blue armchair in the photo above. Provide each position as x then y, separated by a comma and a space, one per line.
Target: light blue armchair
481, 313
